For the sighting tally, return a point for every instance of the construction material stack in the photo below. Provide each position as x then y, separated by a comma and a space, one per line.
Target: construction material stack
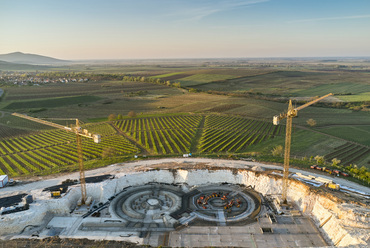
3, 180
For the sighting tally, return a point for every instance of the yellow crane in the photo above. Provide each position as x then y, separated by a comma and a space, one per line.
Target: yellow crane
292, 112
79, 133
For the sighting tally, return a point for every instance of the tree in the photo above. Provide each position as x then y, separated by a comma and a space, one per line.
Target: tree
335, 161
320, 159
311, 122
177, 84
119, 117
131, 114
363, 170
112, 117
356, 108
277, 150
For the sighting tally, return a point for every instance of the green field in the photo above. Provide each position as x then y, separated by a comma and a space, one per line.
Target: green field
345, 88
202, 78
10, 121
359, 134
51, 103
360, 97
305, 143
332, 116
295, 83
167, 75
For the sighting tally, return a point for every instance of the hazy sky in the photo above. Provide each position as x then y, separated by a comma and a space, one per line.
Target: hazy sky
120, 29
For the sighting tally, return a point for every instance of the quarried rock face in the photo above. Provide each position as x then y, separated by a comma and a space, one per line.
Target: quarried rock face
343, 223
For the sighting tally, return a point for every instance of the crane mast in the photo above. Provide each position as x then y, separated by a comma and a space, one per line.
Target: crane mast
288, 141
79, 134
80, 163
292, 112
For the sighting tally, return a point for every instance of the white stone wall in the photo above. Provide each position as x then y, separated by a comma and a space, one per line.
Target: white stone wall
348, 225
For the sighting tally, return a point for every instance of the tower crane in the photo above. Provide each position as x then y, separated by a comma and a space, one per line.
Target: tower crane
79, 133
292, 112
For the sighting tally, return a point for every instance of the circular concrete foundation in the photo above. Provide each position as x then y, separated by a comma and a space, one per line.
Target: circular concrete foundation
162, 205
147, 203
224, 203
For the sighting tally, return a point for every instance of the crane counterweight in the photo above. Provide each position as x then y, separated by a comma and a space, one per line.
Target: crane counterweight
97, 138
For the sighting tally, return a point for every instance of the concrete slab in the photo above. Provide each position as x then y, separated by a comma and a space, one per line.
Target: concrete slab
234, 236
66, 222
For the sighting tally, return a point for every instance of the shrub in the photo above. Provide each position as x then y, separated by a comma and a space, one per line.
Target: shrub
277, 150
320, 159
112, 117
311, 122
131, 114
335, 161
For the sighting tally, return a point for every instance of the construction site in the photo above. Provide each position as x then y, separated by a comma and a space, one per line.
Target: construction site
189, 202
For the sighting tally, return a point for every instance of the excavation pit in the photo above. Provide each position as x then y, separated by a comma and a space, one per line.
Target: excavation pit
191, 204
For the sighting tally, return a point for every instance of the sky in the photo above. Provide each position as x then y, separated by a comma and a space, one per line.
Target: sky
139, 29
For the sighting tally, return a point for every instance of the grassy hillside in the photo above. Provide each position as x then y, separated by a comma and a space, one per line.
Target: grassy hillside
27, 58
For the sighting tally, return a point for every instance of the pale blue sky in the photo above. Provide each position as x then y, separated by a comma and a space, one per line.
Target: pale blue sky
113, 29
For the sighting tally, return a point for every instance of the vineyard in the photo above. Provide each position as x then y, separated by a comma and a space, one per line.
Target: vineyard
50, 150
234, 134
162, 135
9, 132
175, 134
54, 149
349, 153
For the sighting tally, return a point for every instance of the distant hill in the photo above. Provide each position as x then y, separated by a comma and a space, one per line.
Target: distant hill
7, 66
27, 58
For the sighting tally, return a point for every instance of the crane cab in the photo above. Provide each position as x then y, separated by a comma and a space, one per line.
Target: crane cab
97, 138
275, 120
